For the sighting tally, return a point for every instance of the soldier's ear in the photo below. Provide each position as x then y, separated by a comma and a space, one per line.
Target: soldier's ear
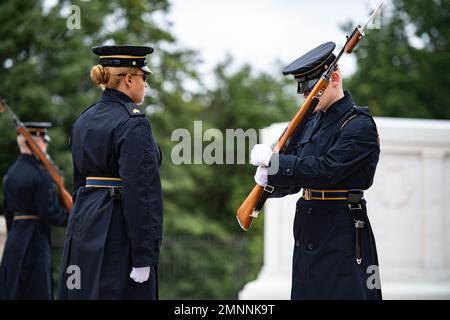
335, 77
128, 79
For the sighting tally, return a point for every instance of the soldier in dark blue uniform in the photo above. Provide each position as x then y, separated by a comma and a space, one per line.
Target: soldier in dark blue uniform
333, 161
114, 232
31, 206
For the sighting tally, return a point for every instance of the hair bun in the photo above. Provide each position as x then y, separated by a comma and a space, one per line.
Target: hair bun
100, 75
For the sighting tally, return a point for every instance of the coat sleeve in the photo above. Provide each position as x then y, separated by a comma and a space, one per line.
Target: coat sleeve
358, 141
47, 202
141, 190
79, 181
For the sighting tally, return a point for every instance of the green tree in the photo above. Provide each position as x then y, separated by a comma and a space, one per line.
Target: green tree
403, 68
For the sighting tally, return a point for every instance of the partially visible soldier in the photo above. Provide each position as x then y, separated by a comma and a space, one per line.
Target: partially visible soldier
31, 206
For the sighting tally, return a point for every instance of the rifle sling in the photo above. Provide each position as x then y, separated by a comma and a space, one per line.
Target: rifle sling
268, 190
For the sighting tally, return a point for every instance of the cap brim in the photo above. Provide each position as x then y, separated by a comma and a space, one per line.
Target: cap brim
146, 69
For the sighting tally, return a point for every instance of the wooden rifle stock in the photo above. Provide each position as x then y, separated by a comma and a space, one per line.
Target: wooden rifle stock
65, 196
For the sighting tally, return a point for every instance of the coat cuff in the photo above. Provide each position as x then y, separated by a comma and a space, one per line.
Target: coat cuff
142, 261
151, 259
286, 167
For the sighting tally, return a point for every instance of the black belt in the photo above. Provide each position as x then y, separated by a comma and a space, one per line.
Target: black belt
20, 215
331, 195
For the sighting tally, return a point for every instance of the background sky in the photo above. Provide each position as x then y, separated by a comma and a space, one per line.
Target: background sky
260, 32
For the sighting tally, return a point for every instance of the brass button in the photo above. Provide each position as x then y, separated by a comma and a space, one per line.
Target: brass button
310, 211
310, 246
297, 243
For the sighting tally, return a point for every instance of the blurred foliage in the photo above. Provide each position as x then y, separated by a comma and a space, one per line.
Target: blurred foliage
44, 75
403, 68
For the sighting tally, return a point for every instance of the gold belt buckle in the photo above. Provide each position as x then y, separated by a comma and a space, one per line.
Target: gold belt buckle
307, 194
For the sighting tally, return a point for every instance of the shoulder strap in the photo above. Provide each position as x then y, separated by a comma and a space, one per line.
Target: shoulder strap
132, 109
355, 112
347, 121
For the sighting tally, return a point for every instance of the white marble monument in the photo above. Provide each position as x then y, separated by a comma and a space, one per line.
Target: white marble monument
409, 208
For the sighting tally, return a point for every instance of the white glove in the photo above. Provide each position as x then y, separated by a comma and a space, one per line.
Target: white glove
260, 155
140, 274
261, 176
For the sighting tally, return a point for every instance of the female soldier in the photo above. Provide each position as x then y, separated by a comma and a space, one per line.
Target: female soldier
115, 230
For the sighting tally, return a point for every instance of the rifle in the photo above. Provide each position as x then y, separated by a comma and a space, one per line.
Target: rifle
247, 211
65, 196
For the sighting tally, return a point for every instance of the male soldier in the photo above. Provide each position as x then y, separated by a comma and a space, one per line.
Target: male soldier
31, 205
334, 161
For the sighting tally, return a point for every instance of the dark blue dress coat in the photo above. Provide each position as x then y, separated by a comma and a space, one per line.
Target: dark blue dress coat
331, 155
108, 235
